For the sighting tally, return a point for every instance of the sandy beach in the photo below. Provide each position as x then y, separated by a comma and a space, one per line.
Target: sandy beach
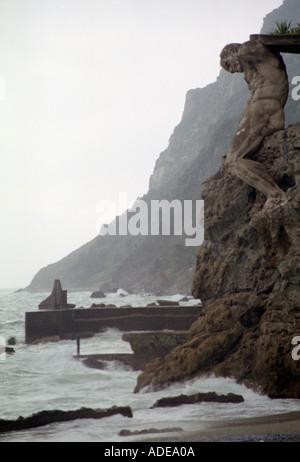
273, 428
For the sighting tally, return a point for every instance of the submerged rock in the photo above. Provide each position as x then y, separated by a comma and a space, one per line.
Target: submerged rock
148, 431
248, 277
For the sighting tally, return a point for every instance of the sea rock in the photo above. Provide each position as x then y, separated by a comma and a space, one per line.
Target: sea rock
9, 350
47, 417
94, 363
210, 397
98, 294
248, 279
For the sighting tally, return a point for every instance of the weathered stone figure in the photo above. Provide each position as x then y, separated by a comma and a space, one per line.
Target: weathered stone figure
265, 74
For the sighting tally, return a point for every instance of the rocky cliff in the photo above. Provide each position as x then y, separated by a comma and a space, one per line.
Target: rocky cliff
248, 278
204, 109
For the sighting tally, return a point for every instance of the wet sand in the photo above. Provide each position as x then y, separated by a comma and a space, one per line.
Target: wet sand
273, 428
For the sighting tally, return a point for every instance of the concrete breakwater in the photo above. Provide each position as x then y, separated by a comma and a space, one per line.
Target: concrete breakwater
146, 347
76, 322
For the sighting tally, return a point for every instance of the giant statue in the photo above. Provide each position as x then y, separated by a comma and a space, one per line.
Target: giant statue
266, 77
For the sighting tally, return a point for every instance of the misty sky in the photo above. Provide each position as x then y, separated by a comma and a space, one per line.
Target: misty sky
90, 92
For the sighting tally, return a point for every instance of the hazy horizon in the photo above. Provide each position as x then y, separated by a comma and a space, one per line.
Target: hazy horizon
90, 93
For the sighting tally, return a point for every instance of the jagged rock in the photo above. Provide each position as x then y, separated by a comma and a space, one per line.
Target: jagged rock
47, 417
210, 397
248, 280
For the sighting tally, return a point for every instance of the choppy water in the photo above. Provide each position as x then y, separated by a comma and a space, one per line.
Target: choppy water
46, 376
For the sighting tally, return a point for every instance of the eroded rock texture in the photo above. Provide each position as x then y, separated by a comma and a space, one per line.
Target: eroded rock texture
248, 277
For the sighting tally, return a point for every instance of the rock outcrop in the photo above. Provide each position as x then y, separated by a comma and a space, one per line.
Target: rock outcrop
98, 294
43, 418
210, 397
248, 278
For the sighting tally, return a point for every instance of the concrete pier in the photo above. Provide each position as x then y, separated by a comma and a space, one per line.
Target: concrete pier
71, 323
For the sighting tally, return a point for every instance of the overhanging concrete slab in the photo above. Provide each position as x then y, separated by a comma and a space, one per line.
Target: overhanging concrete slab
281, 43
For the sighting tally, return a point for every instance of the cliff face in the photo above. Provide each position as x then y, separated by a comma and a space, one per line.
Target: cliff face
204, 109
248, 280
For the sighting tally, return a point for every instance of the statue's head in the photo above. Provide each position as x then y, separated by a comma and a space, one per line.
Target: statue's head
230, 60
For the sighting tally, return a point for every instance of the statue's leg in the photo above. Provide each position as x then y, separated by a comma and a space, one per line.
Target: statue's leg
255, 174
260, 118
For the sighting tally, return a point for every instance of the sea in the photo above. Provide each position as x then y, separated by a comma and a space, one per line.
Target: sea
47, 376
